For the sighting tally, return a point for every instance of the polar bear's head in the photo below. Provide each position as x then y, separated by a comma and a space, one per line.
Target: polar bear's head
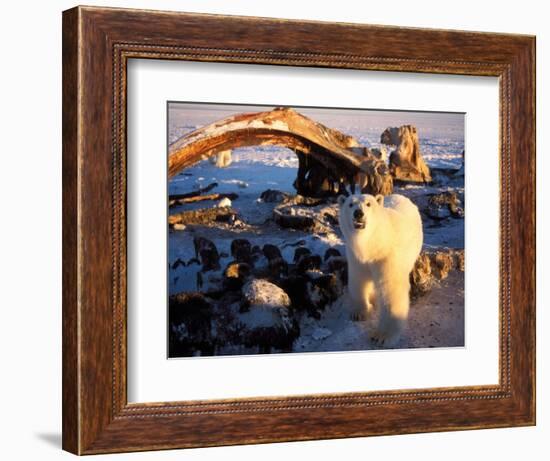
358, 212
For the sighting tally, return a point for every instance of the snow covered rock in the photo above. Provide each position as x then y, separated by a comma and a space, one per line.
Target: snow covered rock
266, 321
224, 203
261, 292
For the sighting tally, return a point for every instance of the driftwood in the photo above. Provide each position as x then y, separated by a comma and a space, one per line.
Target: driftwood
406, 162
202, 198
326, 161
194, 193
203, 216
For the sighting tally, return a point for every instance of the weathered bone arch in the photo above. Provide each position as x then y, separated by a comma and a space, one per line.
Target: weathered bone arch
325, 155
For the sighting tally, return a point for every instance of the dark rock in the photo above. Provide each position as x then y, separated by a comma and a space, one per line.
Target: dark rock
274, 196
266, 322
338, 266
300, 252
324, 290
309, 263
208, 253
241, 250
294, 286
236, 274
331, 252
278, 268
271, 252
267, 338
190, 325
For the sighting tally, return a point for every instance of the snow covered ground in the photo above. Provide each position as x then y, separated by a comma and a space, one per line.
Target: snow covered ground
436, 320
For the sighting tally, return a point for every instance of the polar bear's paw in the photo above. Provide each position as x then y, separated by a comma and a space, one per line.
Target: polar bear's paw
388, 332
384, 339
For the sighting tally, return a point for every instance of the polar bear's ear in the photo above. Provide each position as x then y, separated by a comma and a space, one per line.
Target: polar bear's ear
341, 200
380, 199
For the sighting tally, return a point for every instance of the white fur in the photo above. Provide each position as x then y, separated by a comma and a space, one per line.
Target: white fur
380, 258
221, 159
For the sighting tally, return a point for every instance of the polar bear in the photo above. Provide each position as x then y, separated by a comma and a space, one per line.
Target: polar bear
383, 239
222, 159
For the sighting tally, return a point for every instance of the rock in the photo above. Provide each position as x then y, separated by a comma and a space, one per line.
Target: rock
266, 321
269, 328
331, 252
207, 252
179, 226
241, 250
274, 196
338, 266
432, 266
288, 218
442, 263
224, 203
323, 290
278, 268
236, 274
300, 252
406, 162
441, 206
271, 252
421, 277
190, 321
261, 292
308, 263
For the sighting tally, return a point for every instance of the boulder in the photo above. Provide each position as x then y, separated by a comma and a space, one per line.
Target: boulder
433, 266
266, 319
207, 252
301, 252
309, 263
263, 292
274, 196
235, 275
441, 206
241, 250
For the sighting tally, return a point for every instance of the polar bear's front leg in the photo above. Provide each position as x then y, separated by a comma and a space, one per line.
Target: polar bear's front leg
394, 311
362, 296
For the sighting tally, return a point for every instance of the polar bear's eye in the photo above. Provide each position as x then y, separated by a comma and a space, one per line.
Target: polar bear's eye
368, 203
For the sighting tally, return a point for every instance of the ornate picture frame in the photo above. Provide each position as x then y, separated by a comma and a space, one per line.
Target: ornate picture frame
97, 44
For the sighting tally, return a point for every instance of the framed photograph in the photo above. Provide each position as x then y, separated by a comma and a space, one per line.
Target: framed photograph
284, 230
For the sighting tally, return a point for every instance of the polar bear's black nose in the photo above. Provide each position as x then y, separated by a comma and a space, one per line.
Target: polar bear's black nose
358, 214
